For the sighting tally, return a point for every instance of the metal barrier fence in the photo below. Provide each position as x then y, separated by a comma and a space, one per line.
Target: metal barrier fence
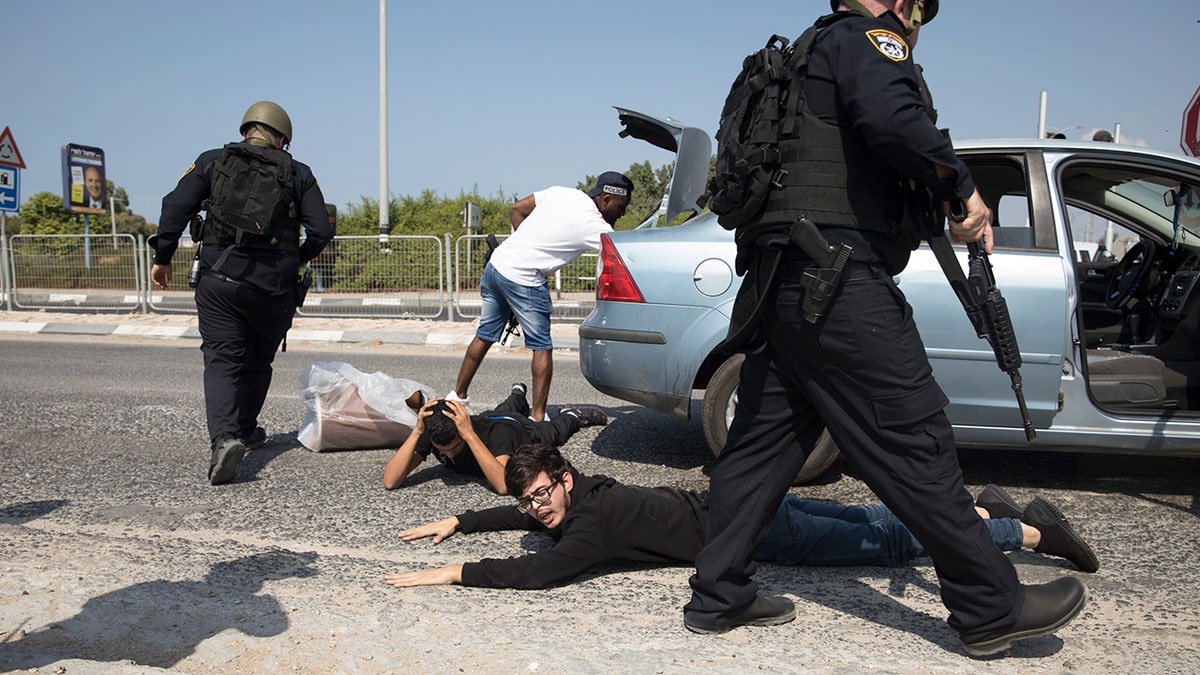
355, 277
419, 276
55, 271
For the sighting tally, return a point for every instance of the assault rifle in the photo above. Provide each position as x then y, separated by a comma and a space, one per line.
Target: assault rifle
985, 306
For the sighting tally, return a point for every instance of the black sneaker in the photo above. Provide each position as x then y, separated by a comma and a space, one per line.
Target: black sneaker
1059, 537
255, 439
1047, 608
226, 455
520, 388
588, 417
766, 610
999, 504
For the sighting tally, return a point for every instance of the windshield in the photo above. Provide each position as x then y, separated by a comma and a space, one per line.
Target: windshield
1151, 193
1133, 196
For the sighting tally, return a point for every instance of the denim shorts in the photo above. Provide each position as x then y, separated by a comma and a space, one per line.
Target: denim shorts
530, 304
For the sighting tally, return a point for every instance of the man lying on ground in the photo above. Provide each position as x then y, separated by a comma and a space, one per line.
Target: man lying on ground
594, 520
481, 444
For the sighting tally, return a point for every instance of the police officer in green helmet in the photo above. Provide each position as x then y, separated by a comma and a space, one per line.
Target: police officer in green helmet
270, 121
246, 269
866, 149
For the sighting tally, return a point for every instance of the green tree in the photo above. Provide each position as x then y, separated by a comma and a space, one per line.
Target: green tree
132, 223
120, 197
360, 219
427, 214
43, 213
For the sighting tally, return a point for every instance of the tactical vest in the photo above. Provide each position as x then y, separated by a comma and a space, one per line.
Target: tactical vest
836, 180
252, 199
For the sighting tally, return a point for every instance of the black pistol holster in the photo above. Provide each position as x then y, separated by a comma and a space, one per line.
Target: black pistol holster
822, 279
304, 281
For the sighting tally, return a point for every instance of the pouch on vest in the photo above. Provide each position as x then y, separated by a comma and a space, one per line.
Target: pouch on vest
761, 108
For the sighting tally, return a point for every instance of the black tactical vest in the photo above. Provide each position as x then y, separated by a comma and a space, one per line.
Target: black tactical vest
837, 181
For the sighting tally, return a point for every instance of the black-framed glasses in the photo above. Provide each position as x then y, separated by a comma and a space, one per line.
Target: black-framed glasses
539, 496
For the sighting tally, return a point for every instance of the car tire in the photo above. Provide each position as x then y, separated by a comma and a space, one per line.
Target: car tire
720, 402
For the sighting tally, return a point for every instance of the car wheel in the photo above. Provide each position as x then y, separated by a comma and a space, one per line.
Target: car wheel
720, 403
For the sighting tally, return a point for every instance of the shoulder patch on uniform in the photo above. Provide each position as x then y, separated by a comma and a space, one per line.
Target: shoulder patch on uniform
191, 168
889, 44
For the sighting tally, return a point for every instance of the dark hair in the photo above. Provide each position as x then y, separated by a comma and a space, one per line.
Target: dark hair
528, 461
441, 429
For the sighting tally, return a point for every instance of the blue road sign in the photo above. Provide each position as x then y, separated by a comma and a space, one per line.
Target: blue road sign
10, 188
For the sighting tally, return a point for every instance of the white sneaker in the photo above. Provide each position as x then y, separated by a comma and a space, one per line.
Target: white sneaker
466, 402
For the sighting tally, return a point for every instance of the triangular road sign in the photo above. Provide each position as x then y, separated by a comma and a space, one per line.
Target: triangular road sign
9, 154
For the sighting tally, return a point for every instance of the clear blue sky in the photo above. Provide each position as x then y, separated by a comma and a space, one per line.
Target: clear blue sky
516, 96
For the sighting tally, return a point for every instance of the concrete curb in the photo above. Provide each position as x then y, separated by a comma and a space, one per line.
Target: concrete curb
434, 338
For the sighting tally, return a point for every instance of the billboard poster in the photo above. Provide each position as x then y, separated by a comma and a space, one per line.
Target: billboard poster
85, 189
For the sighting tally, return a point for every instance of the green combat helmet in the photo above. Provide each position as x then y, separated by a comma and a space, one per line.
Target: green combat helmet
271, 115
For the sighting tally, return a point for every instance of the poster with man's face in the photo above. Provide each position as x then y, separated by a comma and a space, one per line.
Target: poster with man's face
85, 189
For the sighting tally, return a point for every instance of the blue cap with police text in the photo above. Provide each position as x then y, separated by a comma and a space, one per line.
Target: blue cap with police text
613, 183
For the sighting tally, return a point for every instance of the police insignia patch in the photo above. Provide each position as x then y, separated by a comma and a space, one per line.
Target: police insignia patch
889, 44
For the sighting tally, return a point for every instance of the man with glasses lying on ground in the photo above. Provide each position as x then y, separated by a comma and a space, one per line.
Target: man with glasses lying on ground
595, 520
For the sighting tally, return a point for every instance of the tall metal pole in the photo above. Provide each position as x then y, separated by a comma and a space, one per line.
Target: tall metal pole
4, 279
87, 243
1041, 130
112, 217
384, 199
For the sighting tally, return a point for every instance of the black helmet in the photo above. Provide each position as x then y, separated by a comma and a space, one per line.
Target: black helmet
927, 12
270, 114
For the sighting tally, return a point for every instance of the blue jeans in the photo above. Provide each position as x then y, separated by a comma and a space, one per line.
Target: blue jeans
806, 532
530, 304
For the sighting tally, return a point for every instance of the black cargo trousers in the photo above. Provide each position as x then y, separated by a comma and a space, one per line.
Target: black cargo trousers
862, 372
241, 327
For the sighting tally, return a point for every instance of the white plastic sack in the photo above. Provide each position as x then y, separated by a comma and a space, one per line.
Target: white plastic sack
346, 409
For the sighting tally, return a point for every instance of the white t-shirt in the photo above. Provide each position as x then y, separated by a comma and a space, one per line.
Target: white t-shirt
564, 223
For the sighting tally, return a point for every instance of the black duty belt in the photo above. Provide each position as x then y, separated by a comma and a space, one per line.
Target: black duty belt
793, 270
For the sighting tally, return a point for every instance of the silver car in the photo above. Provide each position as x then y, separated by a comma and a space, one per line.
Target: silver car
1097, 252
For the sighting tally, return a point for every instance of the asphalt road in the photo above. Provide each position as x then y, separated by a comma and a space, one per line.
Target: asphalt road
117, 556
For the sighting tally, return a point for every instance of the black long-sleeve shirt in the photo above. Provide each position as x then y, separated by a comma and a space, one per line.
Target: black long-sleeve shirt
271, 270
862, 76
607, 522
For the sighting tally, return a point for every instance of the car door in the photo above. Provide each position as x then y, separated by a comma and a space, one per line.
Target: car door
1029, 272
1095, 274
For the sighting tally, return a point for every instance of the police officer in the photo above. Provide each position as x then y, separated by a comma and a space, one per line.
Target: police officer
861, 371
246, 304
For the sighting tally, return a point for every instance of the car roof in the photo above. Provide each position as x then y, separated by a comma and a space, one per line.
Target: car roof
1059, 145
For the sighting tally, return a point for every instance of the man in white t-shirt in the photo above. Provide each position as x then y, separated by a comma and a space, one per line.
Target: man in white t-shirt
551, 228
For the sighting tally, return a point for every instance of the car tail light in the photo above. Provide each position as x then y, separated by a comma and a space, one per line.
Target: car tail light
615, 283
